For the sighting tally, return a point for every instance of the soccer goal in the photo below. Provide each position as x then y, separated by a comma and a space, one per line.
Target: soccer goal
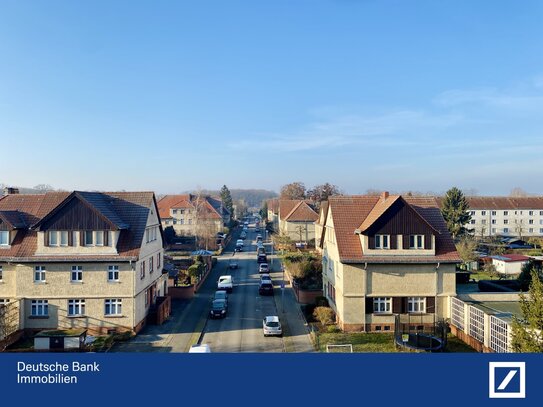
347, 348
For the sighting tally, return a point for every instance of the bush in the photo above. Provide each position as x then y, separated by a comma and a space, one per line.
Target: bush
324, 315
333, 329
321, 301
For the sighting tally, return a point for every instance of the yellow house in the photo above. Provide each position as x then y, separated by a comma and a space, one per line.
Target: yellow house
297, 220
384, 256
81, 260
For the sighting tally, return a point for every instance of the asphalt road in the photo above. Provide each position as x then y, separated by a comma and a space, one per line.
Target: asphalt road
241, 330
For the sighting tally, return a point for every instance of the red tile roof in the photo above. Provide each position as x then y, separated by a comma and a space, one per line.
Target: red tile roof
130, 208
187, 201
302, 212
349, 212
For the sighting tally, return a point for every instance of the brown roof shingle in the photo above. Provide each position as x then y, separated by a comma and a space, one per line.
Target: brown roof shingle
302, 212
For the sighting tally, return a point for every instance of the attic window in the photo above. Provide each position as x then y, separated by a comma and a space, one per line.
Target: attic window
4, 237
416, 241
382, 241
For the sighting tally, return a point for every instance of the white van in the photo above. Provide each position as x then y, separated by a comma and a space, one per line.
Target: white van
225, 283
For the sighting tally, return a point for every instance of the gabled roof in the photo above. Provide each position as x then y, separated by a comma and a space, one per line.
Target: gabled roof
130, 207
190, 201
349, 212
13, 219
380, 209
301, 212
273, 205
98, 202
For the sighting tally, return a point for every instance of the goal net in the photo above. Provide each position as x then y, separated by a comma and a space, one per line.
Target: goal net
348, 348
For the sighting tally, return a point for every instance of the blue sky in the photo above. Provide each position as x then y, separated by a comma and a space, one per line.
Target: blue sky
172, 96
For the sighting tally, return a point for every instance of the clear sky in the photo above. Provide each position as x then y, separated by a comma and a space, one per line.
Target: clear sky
175, 95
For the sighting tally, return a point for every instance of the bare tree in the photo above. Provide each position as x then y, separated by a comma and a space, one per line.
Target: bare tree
518, 192
294, 190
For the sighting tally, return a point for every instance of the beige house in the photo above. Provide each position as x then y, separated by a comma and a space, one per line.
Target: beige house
273, 212
297, 220
386, 255
81, 260
192, 215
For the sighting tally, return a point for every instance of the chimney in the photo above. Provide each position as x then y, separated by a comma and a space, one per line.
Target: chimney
384, 196
10, 190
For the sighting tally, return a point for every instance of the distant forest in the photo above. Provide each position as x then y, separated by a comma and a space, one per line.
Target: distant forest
253, 198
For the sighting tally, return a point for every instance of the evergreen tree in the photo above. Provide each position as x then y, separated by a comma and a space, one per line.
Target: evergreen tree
455, 212
226, 198
527, 334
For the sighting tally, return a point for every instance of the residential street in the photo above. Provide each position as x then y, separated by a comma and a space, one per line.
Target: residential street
241, 330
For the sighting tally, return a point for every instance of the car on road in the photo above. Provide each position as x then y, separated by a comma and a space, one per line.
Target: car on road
233, 264
257, 229
261, 258
272, 326
265, 277
265, 287
218, 309
225, 283
239, 241
263, 268
258, 238
243, 235
260, 250
239, 248
220, 295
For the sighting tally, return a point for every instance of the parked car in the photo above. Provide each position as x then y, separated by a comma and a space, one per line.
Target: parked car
239, 241
243, 235
263, 268
225, 283
265, 287
258, 238
265, 277
257, 229
271, 326
233, 264
220, 295
239, 248
218, 309
203, 348
261, 258
260, 250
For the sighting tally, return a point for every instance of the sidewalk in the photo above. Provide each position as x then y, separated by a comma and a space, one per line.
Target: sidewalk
296, 335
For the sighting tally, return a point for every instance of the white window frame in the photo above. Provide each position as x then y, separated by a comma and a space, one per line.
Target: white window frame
89, 233
53, 238
1, 274
113, 273
76, 275
505, 230
151, 264
76, 308
382, 305
114, 305
416, 242
416, 305
380, 242
39, 274
4, 241
99, 237
39, 308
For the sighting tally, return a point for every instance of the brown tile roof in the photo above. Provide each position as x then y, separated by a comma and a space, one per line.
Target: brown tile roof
502, 202
188, 201
130, 208
302, 212
273, 205
349, 212
378, 210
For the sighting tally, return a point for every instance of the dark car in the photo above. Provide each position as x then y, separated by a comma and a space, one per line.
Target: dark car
261, 250
262, 258
239, 248
218, 309
265, 287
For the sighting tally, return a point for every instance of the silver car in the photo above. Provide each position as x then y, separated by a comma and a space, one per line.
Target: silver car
271, 326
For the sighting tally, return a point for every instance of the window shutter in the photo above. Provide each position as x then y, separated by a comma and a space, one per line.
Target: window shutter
397, 305
393, 242
106, 237
430, 305
406, 241
428, 242
46, 238
371, 242
369, 305
82, 238
71, 238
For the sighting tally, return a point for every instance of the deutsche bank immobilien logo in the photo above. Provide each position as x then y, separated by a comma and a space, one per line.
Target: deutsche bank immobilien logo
507, 380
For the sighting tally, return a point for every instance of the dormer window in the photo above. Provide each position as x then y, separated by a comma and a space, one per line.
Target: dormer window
4, 237
96, 238
382, 241
58, 238
99, 238
416, 241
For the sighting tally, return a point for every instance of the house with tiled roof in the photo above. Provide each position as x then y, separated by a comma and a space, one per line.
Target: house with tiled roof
297, 219
273, 212
320, 226
505, 216
89, 260
384, 256
187, 213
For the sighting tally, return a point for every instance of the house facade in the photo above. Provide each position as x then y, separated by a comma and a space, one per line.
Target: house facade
508, 264
82, 259
297, 220
505, 216
273, 212
386, 255
191, 215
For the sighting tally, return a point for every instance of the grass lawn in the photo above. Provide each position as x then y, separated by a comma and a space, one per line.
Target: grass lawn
380, 342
